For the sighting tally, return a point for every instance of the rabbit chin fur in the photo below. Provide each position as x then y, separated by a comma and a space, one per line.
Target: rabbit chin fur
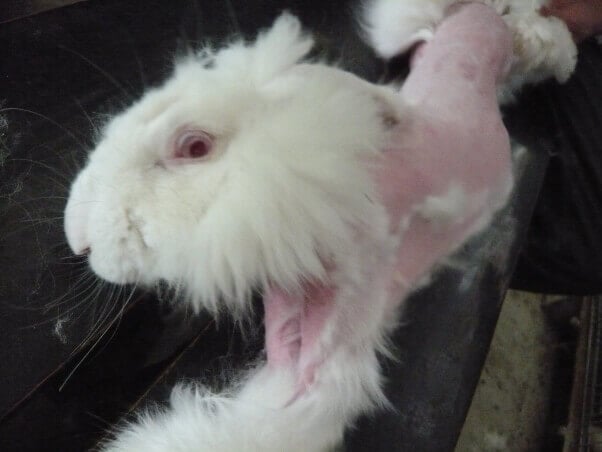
543, 46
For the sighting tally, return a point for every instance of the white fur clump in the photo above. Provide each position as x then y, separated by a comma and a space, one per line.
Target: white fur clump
256, 417
543, 46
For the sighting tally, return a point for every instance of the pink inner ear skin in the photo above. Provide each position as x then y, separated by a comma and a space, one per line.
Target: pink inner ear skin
452, 138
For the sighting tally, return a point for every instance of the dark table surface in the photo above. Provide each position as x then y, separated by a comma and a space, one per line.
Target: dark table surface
76, 356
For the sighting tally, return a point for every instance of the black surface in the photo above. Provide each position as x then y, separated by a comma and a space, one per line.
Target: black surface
16, 9
63, 71
69, 411
563, 252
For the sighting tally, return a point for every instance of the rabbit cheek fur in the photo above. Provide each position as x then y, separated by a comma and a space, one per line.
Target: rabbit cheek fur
334, 196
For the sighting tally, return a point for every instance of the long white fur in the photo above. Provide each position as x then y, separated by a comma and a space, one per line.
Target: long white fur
254, 419
543, 46
286, 180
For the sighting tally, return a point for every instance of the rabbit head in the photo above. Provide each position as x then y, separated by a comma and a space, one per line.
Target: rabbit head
242, 170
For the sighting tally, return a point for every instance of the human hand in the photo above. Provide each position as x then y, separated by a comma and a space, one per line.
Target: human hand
583, 17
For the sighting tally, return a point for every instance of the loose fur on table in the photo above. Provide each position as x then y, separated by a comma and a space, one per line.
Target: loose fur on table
252, 169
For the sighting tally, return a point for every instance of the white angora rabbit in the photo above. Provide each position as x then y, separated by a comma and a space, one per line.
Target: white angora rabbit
249, 169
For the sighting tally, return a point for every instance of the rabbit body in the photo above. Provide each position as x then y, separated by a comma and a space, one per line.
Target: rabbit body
333, 196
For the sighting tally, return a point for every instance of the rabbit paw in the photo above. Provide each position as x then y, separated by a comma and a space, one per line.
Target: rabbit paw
393, 27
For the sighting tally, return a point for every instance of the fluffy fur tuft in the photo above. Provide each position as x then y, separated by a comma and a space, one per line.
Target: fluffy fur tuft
258, 417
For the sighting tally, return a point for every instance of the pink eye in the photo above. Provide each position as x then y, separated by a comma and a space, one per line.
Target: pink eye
193, 145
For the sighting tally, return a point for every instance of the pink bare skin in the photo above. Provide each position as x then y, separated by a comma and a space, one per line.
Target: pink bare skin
455, 134
450, 136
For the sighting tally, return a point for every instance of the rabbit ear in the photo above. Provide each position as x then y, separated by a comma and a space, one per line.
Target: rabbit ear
274, 51
280, 48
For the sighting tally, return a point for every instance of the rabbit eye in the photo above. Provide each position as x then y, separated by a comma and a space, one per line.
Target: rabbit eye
193, 145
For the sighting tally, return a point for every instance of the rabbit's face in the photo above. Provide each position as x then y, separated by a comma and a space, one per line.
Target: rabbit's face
161, 165
242, 170
149, 182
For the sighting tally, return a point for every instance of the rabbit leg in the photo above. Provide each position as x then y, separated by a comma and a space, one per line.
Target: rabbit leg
394, 27
453, 149
543, 46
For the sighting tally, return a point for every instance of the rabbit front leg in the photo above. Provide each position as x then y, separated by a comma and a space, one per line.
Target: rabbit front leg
395, 26
543, 46
453, 151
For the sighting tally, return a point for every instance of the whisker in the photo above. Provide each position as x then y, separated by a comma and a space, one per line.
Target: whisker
72, 260
75, 257
37, 237
104, 423
58, 316
52, 121
72, 263
104, 315
66, 178
86, 281
109, 77
119, 316
93, 346
233, 18
99, 328
81, 361
140, 68
87, 116
43, 220
87, 278
43, 198
56, 304
92, 297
